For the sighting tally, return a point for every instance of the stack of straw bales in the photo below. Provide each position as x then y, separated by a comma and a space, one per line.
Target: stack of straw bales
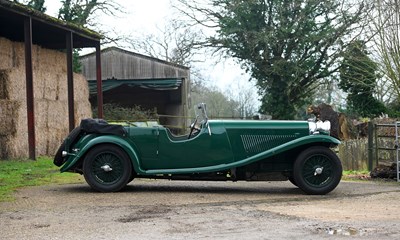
50, 100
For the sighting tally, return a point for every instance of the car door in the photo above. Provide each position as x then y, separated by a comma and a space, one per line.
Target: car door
208, 148
146, 141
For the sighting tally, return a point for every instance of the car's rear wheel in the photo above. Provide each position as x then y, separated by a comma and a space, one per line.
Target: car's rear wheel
107, 168
317, 170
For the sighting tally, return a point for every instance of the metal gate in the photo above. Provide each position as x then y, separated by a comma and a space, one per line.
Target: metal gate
386, 139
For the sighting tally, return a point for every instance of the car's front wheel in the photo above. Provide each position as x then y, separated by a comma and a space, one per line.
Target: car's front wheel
107, 168
317, 170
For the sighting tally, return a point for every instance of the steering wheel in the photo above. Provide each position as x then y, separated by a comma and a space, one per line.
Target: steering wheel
192, 127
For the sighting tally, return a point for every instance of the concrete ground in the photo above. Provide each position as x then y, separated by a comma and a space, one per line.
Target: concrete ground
161, 209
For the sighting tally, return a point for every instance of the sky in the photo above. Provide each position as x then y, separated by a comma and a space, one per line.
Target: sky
143, 17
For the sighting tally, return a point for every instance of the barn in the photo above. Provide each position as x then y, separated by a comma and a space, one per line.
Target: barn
132, 79
41, 99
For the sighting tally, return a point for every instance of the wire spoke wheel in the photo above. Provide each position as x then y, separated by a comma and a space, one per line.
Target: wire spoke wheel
317, 170
107, 168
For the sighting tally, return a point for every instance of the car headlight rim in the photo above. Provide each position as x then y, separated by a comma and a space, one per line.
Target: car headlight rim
319, 127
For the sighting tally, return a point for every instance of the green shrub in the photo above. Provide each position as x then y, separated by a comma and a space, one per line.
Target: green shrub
116, 112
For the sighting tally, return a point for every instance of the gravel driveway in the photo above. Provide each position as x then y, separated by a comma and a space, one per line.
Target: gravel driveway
160, 209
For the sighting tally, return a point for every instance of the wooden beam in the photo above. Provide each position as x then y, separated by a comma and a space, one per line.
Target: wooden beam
70, 80
99, 82
30, 104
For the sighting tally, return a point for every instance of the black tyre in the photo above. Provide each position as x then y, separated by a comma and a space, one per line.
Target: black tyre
133, 175
107, 168
317, 170
291, 179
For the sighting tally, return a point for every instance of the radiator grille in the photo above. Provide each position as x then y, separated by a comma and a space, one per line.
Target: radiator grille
259, 143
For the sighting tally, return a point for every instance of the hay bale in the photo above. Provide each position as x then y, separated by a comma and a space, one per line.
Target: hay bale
5, 147
6, 53
41, 142
82, 111
50, 85
55, 76
38, 85
41, 116
62, 87
41, 126
8, 114
18, 57
55, 119
81, 87
82, 104
16, 85
51, 58
18, 144
55, 138
50, 100
14, 147
35, 57
3, 84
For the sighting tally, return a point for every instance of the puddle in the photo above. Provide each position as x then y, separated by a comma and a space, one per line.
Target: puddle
343, 231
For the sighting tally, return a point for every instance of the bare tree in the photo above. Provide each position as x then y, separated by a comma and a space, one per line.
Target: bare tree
244, 97
84, 13
174, 42
218, 104
386, 38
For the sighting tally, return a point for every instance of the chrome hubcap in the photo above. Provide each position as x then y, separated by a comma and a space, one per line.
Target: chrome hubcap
106, 168
318, 171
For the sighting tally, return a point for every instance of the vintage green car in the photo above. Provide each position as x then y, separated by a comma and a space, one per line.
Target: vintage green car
110, 156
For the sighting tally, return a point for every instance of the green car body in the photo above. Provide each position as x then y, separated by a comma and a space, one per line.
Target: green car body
219, 150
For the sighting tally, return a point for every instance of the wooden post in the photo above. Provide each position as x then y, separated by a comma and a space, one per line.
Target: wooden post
99, 82
375, 131
70, 80
370, 145
30, 103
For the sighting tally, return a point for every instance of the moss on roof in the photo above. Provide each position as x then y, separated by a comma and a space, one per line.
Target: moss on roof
25, 10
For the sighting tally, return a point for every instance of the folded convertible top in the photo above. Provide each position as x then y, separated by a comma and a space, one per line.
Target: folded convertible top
90, 125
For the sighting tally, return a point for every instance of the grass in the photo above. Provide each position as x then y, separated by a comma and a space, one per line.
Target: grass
355, 175
15, 174
352, 172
